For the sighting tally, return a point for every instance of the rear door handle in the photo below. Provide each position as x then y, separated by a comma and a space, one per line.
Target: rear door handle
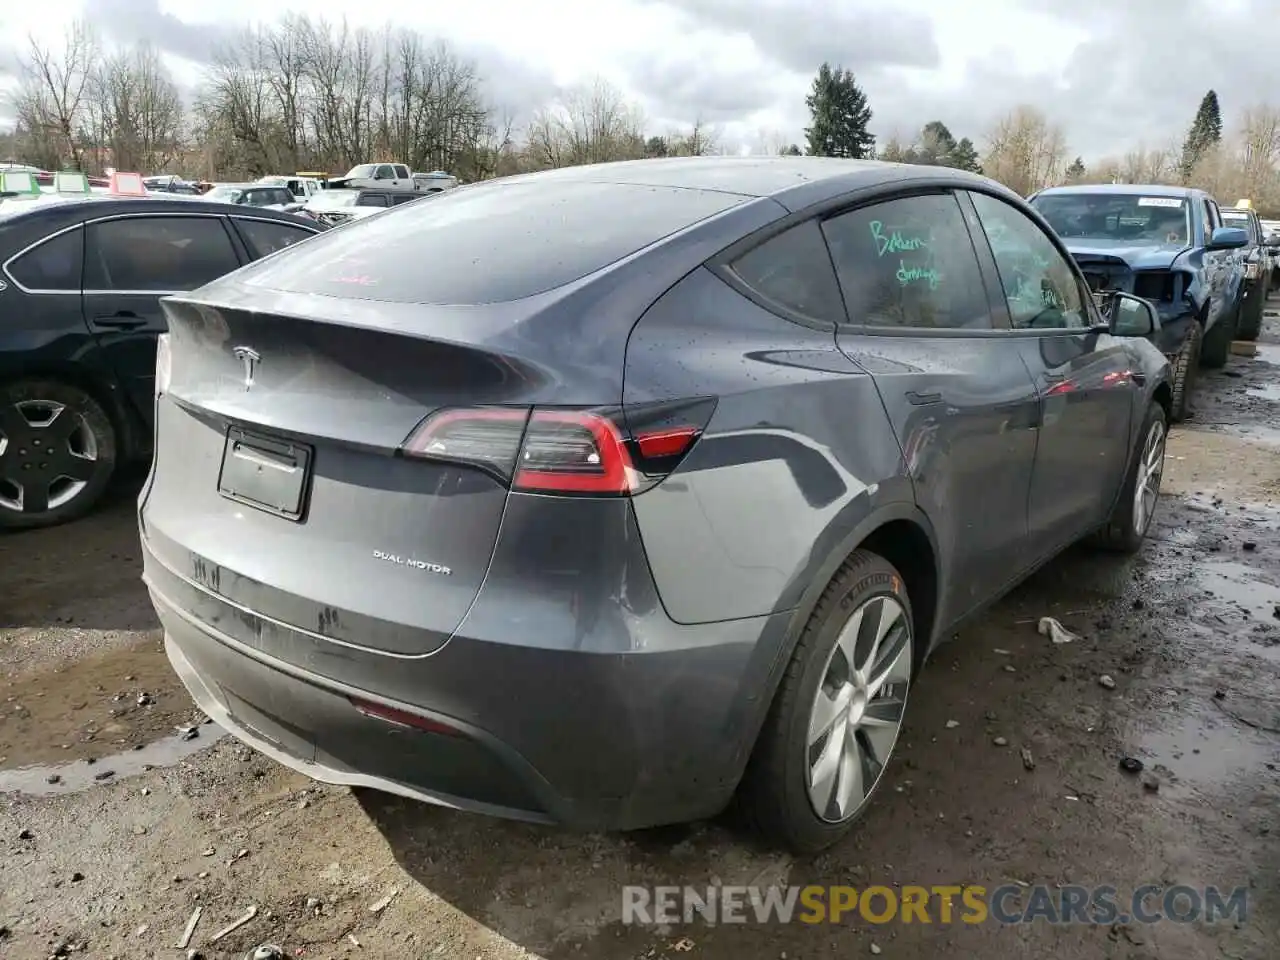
124, 320
1054, 377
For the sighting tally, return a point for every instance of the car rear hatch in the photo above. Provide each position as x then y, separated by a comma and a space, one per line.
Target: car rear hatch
280, 487
286, 479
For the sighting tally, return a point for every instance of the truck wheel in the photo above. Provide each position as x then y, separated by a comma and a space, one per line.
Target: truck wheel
1217, 342
1251, 313
1185, 366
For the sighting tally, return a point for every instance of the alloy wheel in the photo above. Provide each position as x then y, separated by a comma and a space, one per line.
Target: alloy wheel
1146, 488
858, 709
48, 455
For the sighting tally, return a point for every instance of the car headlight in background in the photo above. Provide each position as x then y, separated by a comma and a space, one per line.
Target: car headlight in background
164, 364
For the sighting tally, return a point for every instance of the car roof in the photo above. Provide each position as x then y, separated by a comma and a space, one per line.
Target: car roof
1126, 189
72, 209
793, 181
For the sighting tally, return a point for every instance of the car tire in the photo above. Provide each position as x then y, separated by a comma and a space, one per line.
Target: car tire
1185, 366
1217, 342
1251, 314
787, 778
57, 438
1130, 518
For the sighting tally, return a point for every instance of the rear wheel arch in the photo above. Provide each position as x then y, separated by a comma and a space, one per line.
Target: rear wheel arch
900, 533
1163, 395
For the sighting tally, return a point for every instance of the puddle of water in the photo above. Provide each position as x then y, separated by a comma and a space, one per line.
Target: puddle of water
1266, 391
1238, 584
1202, 751
78, 775
1268, 353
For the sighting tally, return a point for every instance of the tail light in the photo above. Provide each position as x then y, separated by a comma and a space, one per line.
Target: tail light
164, 364
565, 452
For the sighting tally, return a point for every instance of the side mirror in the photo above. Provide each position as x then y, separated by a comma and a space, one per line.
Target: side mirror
1132, 316
1227, 238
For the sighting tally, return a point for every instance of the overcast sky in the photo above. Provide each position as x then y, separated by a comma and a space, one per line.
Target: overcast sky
1114, 73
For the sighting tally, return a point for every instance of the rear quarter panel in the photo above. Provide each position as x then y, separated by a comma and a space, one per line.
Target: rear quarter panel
797, 456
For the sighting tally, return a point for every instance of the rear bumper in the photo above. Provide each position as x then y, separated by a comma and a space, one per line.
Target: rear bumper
590, 740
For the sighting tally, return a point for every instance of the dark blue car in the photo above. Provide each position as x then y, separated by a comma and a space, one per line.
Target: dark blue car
1168, 245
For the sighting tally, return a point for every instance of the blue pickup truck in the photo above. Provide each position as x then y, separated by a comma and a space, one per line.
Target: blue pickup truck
1169, 245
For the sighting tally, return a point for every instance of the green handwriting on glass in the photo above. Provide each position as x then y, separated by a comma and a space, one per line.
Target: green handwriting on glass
909, 275
894, 241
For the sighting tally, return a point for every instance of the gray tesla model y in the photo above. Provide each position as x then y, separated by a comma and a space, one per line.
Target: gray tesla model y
602, 495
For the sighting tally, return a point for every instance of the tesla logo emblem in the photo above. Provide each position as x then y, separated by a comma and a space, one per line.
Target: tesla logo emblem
249, 357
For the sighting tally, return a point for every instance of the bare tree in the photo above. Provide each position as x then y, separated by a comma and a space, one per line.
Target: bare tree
134, 111
590, 124
50, 98
1025, 151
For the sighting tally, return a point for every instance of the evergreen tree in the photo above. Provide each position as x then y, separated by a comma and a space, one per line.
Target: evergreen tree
964, 156
791, 151
1076, 171
1205, 132
840, 114
936, 144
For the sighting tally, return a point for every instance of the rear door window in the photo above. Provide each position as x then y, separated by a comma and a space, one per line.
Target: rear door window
56, 264
909, 263
371, 200
489, 244
793, 271
264, 237
157, 253
402, 172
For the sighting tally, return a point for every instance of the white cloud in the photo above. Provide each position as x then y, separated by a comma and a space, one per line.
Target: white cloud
1114, 73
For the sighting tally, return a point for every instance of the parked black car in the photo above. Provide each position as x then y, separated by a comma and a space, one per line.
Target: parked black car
80, 289
1257, 264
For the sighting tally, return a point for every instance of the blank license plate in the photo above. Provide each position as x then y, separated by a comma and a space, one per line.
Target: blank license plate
265, 473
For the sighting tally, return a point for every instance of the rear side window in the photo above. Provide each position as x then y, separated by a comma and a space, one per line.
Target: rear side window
794, 271
56, 264
371, 200
488, 244
263, 237
402, 172
909, 263
139, 254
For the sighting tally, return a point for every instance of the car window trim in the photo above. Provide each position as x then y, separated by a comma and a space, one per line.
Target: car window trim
722, 266
227, 229
1090, 306
243, 242
904, 192
32, 246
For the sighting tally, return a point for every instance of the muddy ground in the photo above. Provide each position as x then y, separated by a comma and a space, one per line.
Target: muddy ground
116, 822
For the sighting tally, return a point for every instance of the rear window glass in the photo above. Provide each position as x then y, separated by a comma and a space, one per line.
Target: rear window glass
488, 244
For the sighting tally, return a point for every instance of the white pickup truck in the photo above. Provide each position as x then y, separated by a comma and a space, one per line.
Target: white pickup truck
377, 176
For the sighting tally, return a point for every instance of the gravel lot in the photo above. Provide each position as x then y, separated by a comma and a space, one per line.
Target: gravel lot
116, 822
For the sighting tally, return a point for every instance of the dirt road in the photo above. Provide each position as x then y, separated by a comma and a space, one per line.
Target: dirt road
115, 824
